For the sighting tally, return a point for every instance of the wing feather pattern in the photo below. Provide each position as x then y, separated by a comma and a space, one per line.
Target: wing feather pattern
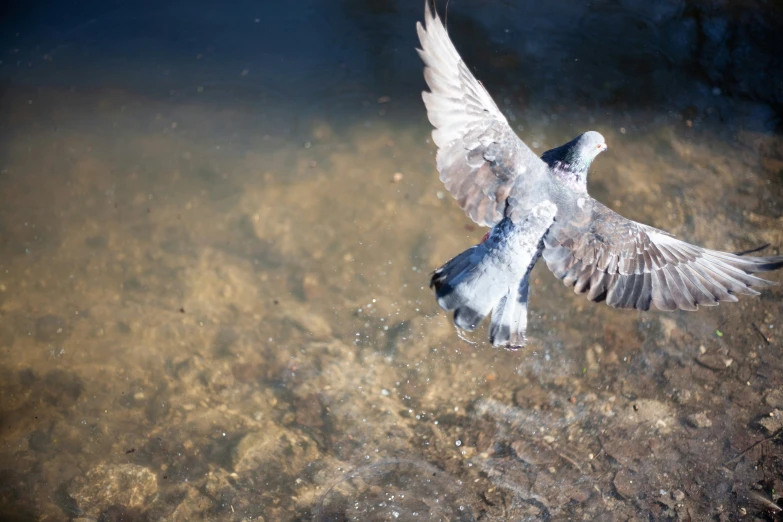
631, 265
480, 159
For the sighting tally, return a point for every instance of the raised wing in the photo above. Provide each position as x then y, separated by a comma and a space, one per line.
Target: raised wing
479, 157
630, 265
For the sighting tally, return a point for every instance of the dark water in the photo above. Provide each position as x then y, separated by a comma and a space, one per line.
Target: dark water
216, 228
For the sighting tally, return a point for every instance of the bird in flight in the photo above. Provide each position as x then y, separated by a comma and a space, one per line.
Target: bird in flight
539, 207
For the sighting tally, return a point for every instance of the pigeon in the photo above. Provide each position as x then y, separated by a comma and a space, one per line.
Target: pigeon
539, 207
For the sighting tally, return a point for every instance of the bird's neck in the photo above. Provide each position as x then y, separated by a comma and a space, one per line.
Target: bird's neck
568, 166
572, 175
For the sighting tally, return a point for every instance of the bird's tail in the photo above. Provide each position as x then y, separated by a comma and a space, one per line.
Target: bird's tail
470, 286
492, 277
509, 317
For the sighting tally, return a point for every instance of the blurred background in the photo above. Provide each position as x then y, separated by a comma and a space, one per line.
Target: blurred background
217, 225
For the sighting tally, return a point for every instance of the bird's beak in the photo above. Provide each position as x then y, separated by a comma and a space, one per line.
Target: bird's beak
604, 147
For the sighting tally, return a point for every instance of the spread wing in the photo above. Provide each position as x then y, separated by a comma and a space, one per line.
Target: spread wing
480, 158
630, 265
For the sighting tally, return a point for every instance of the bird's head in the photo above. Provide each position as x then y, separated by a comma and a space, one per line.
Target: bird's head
589, 145
572, 161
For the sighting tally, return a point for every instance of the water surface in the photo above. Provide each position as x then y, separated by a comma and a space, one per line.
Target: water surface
216, 230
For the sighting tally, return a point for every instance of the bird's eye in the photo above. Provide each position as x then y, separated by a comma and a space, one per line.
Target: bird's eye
597, 146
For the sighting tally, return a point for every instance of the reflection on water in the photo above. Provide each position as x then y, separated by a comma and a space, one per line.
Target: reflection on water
215, 242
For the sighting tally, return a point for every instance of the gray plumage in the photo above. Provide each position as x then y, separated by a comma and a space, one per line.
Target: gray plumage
539, 207
492, 276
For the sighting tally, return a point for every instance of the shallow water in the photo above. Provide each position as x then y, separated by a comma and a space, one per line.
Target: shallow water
216, 230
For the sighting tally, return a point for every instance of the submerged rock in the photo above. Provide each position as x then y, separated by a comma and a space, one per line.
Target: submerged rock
110, 486
273, 445
698, 420
775, 398
714, 361
773, 422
